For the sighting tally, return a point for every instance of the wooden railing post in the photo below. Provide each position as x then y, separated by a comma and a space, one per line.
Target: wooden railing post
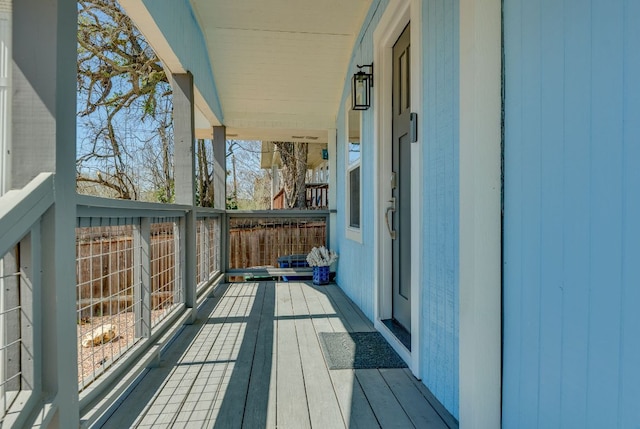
224, 242
142, 275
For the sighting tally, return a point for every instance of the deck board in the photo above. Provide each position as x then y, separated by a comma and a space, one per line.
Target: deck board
356, 320
411, 400
384, 404
261, 408
292, 410
324, 410
252, 359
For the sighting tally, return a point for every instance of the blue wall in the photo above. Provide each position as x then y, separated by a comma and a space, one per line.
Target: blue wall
356, 263
180, 27
572, 204
439, 269
440, 203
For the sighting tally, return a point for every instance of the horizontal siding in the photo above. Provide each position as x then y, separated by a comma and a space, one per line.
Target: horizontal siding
571, 178
181, 29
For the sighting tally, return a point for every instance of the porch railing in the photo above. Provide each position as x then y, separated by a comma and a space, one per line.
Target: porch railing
130, 262
21, 250
131, 282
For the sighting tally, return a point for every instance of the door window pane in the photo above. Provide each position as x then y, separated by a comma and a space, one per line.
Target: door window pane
354, 197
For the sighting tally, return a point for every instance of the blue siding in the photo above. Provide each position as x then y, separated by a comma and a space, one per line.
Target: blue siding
439, 269
570, 243
180, 27
356, 264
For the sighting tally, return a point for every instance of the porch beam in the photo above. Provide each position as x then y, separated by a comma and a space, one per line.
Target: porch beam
184, 176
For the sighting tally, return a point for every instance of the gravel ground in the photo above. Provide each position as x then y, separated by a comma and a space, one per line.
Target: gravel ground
92, 361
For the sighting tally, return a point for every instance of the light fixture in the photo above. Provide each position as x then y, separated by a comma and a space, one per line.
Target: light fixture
361, 85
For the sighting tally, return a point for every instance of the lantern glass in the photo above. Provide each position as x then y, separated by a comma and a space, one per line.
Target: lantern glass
361, 91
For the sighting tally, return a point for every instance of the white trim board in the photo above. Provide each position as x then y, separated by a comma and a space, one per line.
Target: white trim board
480, 227
354, 234
480, 232
395, 18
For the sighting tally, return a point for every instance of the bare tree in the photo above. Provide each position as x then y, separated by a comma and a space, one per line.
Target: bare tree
124, 106
205, 176
294, 170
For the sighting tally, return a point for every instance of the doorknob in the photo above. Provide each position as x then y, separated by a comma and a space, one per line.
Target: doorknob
391, 208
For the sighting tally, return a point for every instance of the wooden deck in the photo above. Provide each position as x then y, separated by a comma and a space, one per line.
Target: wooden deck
253, 360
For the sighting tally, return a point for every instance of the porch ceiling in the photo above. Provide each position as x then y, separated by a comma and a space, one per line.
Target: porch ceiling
279, 65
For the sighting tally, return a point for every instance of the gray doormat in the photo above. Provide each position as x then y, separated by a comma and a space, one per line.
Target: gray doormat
358, 350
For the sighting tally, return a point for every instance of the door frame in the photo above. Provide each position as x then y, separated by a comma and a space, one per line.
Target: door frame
395, 18
479, 265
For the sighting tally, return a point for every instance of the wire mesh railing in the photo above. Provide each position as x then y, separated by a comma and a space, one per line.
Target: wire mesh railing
130, 279
17, 328
208, 261
106, 293
11, 336
166, 277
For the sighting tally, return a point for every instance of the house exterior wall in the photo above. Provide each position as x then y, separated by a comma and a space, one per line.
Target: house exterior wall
439, 278
182, 31
440, 201
356, 266
571, 205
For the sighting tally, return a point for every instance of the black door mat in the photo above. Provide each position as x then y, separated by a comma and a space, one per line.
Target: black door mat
399, 331
358, 350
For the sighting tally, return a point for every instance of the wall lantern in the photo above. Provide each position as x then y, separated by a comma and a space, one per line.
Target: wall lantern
361, 85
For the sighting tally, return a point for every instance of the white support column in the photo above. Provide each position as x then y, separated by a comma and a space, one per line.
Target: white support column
480, 221
5, 130
332, 143
220, 167
43, 139
185, 167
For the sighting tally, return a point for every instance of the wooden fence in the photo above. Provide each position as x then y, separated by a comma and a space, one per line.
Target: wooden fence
259, 244
104, 274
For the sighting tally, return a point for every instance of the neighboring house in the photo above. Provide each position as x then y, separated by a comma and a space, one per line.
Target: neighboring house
497, 225
316, 179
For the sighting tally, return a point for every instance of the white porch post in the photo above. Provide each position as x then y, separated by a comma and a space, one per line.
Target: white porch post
5, 136
220, 167
43, 139
480, 226
185, 167
332, 150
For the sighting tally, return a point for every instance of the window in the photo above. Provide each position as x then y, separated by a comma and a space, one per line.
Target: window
353, 127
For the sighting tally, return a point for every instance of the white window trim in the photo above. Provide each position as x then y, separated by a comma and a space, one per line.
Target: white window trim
5, 100
352, 233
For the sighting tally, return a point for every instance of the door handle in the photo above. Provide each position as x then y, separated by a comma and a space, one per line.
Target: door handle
391, 208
